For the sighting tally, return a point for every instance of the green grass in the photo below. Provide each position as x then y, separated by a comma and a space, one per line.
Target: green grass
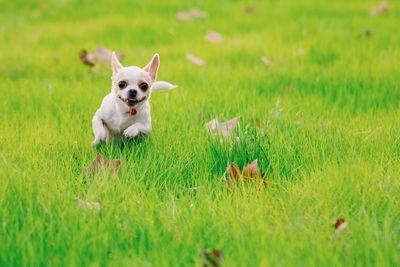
325, 124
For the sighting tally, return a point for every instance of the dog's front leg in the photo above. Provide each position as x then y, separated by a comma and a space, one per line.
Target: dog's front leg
100, 132
136, 128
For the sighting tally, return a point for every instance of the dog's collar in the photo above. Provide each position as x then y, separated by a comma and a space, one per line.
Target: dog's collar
132, 112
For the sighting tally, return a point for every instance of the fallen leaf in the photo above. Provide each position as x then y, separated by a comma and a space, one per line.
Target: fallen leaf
85, 58
194, 189
193, 13
183, 15
249, 9
195, 60
212, 126
100, 162
234, 172
99, 56
380, 9
89, 205
198, 14
225, 128
367, 32
228, 127
214, 37
266, 60
251, 170
340, 225
249, 173
212, 257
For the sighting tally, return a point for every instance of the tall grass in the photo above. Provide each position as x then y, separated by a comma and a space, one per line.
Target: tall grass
322, 120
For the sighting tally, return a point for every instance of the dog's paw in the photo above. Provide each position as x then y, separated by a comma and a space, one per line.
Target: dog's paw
95, 142
99, 136
131, 132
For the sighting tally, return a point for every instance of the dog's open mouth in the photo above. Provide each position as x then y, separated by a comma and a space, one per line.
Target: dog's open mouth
131, 102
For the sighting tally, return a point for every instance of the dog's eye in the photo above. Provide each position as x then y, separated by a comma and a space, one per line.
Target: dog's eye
122, 84
144, 86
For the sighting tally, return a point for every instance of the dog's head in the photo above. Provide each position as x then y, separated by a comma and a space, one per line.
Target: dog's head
133, 85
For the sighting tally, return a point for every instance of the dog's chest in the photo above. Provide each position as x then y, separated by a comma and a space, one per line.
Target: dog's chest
119, 123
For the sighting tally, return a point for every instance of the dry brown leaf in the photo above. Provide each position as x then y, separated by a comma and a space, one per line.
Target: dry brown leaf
198, 14
212, 126
89, 205
183, 15
380, 9
340, 225
99, 56
249, 173
249, 9
251, 170
195, 60
266, 60
225, 128
100, 162
194, 189
193, 13
212, 257
85, 58
367, 32
214, 37
234, 172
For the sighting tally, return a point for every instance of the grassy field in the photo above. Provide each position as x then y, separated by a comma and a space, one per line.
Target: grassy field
322, 119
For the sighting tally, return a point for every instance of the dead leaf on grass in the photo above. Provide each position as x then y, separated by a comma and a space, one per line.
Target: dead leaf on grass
183, 15
339, 225
190, 14
195, 60
101, 162
89, 205
194, 189
212, 257
250, 9
266, 60
214, 37
380, 9
198, 14
225, 128
99, 56
367, 32
249, 173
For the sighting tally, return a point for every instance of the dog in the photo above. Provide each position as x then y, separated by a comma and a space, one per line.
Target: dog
126, 109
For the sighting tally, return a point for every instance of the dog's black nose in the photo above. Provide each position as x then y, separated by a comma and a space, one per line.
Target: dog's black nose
132, 93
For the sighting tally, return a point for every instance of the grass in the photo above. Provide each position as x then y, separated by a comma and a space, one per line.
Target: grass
323, 119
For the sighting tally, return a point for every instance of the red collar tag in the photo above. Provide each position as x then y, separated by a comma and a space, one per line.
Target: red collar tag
133, 112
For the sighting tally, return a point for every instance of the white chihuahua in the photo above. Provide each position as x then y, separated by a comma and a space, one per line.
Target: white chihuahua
126, 109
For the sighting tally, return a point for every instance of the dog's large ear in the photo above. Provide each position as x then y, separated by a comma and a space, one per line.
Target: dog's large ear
162, 86
152, 67
115, 64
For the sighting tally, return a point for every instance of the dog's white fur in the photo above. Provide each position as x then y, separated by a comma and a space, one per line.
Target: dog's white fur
114, 115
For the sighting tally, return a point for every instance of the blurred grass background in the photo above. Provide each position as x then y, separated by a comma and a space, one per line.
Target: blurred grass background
322, 118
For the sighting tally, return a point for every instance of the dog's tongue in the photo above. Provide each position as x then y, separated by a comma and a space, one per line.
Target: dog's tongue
133, 111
